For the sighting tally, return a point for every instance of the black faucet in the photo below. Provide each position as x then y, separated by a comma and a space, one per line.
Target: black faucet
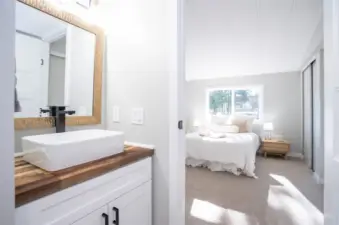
59, 115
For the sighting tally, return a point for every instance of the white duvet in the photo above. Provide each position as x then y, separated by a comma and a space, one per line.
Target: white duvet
235, 153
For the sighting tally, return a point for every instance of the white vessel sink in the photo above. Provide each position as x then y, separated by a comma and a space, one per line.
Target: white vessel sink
58, 151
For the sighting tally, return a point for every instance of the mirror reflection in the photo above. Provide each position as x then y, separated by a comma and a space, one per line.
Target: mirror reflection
54, 65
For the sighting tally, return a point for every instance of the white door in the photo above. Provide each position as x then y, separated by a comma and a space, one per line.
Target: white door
98, 217
32, 59
133, 208
318, 116
331, 111
308, 116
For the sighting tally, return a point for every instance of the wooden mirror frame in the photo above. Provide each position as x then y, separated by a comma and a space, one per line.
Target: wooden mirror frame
46, 122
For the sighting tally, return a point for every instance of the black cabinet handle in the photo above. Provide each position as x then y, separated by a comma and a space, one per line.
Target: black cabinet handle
105, 216
116, 211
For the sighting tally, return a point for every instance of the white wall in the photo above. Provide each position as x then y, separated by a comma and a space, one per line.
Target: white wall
316, 43
7, 38
140, 63
80, 52
315, 51
281, 101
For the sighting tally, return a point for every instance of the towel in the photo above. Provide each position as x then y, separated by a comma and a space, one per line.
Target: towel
17, 107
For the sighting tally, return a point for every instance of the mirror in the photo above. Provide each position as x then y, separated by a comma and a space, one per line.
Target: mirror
58, 63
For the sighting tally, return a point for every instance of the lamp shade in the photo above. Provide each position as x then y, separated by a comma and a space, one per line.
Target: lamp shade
268, 126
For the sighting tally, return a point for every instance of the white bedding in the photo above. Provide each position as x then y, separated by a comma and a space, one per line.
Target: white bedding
235, 153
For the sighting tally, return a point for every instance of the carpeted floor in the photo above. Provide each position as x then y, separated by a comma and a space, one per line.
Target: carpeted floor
284, 194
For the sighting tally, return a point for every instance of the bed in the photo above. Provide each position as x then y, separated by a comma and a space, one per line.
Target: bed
234, 153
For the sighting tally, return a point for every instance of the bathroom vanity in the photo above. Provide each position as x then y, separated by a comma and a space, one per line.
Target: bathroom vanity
84, 177
113, 190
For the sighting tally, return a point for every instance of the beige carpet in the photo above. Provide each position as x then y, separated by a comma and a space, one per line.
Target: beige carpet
284, 194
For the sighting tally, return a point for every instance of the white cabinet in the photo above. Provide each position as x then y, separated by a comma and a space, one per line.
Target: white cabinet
98, 217
123, 196
133, 208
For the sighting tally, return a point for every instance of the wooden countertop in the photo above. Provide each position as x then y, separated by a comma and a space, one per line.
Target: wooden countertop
32, 183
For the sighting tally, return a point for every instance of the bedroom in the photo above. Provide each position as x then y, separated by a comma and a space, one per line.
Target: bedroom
254, 83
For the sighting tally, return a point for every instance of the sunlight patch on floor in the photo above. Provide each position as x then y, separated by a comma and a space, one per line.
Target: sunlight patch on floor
207, 211
212, 213
287, 205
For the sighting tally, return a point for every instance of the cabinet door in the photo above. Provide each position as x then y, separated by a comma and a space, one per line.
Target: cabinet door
133, 208
98, 217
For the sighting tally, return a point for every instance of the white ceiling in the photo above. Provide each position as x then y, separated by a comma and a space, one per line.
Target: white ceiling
35, 22
248, 37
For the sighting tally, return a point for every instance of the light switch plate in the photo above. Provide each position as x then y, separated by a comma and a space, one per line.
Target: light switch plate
138, 116
116, 114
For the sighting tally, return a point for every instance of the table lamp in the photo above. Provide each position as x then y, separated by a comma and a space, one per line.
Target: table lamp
268, 128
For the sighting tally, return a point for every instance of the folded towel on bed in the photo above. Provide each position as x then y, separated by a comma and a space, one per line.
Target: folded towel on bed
212, 134
217, 135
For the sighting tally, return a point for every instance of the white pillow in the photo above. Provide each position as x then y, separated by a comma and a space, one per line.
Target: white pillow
250, 120
244, 122
224, 128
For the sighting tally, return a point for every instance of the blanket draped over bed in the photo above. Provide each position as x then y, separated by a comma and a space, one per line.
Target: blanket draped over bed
235, 153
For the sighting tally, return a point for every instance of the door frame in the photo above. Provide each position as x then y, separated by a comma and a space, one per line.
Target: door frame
331, 88
7, 45
177, 98
311, 66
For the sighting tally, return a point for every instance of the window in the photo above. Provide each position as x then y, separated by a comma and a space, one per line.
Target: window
234, 101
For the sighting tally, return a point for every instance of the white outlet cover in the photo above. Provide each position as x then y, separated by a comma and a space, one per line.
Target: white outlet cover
138, 116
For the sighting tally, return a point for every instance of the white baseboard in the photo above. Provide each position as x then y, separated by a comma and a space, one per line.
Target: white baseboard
18, 154
295, 155
317, 178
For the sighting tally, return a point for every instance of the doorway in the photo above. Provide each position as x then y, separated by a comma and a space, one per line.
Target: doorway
308, 113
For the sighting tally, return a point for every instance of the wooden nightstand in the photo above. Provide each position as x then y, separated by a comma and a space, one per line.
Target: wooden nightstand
275, 147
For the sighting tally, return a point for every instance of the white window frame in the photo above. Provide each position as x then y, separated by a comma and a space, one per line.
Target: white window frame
259, 89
